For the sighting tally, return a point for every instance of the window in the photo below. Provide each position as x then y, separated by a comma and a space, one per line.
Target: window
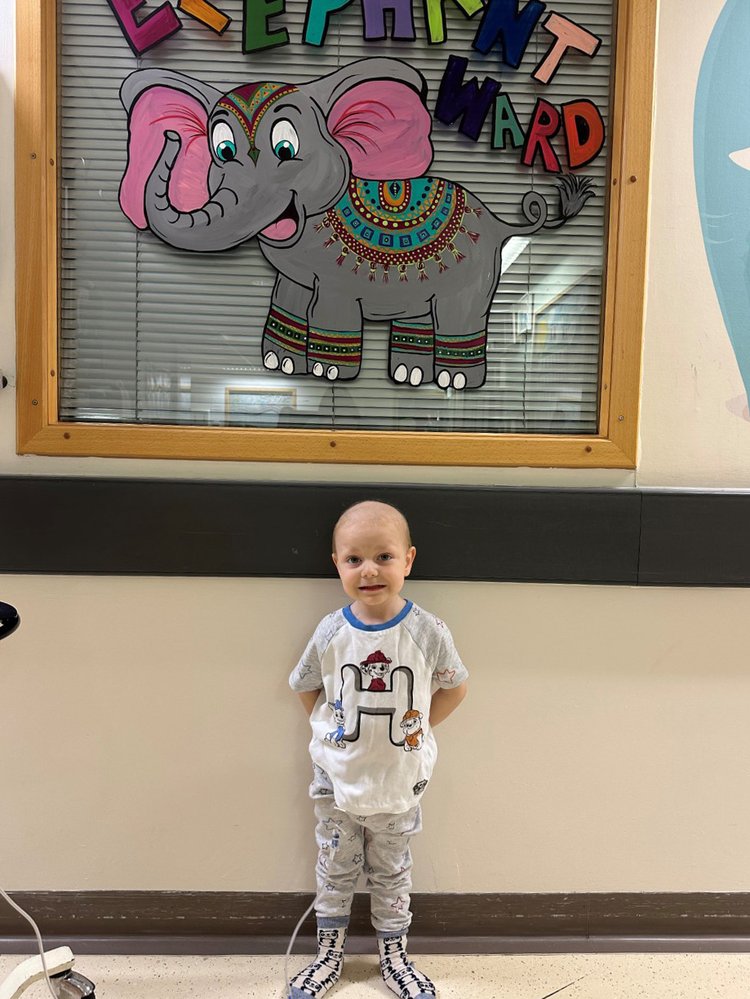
128, 346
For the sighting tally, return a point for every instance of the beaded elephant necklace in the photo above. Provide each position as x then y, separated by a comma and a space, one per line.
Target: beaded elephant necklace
397, 224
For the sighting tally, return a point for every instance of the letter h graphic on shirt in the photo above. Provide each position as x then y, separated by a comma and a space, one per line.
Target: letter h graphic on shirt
395, 700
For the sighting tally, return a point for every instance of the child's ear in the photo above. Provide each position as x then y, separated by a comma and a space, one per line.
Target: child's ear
410, 556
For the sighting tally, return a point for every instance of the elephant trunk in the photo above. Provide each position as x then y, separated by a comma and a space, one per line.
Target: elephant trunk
210, 228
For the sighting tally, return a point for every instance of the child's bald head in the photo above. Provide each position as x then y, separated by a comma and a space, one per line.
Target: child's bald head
371, 512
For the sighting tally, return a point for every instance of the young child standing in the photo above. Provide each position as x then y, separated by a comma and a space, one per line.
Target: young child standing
375, 679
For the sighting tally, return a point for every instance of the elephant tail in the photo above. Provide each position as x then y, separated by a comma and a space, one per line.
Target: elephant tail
574, 192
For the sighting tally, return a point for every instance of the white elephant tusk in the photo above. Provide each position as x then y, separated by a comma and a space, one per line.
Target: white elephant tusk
741, 157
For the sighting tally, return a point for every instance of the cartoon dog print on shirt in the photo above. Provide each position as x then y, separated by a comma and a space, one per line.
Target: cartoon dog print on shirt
411, 723
377, 665
337, 737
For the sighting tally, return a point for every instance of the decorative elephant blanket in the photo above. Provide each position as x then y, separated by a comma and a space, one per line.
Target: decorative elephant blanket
392, 225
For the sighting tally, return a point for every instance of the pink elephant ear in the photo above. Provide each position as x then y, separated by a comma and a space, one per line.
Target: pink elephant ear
157, 110
385, 129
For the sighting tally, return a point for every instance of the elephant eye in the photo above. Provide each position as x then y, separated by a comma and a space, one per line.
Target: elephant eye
222, 140
284, 140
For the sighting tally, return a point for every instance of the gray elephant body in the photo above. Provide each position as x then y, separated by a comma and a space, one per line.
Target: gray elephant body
442, 310
330, 177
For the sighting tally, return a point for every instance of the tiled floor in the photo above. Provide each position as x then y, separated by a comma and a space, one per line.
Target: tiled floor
569, 976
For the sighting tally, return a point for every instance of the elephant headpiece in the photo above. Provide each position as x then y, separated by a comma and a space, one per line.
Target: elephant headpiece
265, 157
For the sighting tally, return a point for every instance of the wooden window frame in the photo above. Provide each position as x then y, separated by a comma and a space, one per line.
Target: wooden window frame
40, 430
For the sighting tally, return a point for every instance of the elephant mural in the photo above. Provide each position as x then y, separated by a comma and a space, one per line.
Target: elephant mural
722, 161
329, 176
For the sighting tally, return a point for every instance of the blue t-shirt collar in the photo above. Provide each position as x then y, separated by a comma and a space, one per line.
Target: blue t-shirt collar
356, 623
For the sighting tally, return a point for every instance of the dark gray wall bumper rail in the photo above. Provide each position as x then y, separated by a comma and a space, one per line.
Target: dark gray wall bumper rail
129, 922
156, 527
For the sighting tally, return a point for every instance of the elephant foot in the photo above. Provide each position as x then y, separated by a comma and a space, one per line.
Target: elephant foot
334, 354
332, 372
411, 360
463, 378
461, 360
284, 343
329, 371
285, 363
413, 376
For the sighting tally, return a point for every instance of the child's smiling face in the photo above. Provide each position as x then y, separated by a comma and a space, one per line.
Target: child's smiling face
373, 556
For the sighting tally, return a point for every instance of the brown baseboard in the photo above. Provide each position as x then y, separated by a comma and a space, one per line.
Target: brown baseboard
262, 922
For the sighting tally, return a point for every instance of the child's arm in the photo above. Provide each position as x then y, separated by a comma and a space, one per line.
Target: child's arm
445, 700
309, 699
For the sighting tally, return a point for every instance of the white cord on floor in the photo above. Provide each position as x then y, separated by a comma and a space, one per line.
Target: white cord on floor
287, 980
28, 918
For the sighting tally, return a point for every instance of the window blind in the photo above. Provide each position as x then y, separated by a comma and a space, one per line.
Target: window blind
152, 334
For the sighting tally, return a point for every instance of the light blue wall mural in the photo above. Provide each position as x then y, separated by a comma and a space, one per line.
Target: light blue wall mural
721, 151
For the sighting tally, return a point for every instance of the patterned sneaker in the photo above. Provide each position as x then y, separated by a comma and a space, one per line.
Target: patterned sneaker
399, 974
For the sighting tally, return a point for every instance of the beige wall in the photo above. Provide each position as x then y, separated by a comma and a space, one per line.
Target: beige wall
149, 741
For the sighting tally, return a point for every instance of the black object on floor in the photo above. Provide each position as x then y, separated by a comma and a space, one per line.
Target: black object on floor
71, 985
9, 619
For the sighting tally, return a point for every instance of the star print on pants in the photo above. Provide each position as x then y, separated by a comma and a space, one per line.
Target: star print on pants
399, 905
358, 858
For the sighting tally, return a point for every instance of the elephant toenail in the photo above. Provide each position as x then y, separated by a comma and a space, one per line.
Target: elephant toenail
400, 374
271, 361
444, 380
317, 369
459, 381
287, 366
416, 376
332, 373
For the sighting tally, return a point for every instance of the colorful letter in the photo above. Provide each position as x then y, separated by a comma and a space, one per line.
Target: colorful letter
316, 19
374, 17
502, 19
434, 13
584, 132
206, 13
143, 35
456, 97
544, 125
255, 33
506, 120
569, 36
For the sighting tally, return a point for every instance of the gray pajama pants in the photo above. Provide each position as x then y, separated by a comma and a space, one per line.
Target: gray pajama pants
375, 844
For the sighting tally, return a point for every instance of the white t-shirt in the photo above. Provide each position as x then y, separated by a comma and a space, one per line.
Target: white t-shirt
370, 724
